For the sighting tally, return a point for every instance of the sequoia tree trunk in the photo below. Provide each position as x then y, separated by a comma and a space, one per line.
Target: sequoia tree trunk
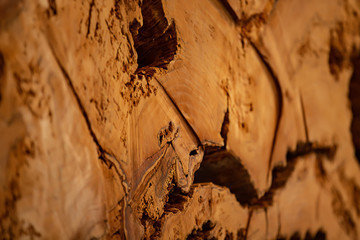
178, 119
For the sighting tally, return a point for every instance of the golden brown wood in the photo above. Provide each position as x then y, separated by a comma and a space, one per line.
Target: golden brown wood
176, 119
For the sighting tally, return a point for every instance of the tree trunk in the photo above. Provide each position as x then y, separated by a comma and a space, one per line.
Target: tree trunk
176, 119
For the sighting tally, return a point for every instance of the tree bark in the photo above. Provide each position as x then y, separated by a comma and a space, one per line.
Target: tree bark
175, 119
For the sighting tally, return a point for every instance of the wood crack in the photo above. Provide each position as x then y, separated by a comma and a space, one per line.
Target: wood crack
176, 202
280, 102
248, 224
354, 97
223, 168
281, 174
103, 155
180, 114
92, 4
156, 45
156, 40
226, 5
244, 23
226, 122
203, 232
78, 100
304, 118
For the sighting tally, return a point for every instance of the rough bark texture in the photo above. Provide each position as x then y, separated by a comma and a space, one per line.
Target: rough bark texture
178, 119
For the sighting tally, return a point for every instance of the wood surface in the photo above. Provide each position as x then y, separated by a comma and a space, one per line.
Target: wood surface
177, 119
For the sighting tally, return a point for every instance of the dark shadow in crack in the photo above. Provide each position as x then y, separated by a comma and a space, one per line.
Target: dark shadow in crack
281, 174
221, 167
354, 97
156, 40
203, 233
176, 202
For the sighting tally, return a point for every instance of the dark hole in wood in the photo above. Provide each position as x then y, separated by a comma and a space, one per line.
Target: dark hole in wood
156, 40
354, 96
193, 152
223, 168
